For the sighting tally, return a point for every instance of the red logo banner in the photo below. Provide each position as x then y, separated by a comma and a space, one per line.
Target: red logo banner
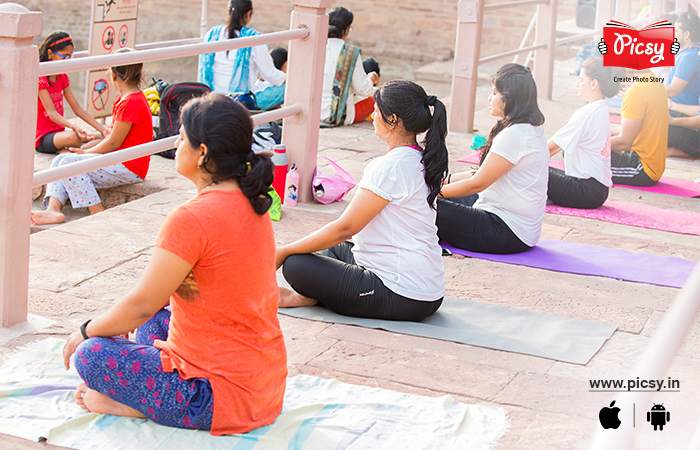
652, 46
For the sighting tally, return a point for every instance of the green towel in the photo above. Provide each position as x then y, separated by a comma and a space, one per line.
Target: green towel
276, 208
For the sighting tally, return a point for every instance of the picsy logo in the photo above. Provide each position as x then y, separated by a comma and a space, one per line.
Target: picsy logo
653, 46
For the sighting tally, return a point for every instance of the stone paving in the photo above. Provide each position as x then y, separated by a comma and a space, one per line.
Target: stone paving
79, 269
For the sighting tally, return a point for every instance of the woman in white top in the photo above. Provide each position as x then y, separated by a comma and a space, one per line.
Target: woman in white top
236, 71
511, 182
347, 90
585, 140
394, 270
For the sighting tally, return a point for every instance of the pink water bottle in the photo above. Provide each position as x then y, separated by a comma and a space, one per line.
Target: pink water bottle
279, 159
292, 185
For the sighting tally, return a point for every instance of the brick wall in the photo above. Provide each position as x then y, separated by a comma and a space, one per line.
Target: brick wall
405, 34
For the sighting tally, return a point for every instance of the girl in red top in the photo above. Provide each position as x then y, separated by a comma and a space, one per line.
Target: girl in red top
215, 359
51, 133
131, 125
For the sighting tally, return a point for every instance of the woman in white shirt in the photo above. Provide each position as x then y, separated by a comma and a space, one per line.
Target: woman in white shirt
511, 182
394, 269
585, 140
347, 90
236, 71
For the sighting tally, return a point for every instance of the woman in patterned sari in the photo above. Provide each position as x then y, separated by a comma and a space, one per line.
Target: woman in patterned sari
347, 89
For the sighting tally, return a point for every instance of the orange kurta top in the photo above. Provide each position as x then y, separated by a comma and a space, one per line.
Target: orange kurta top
224, 323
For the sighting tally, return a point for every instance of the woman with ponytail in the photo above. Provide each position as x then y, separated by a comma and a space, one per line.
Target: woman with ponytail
236, 71
214, 359
53, 131
500, 208
394, 269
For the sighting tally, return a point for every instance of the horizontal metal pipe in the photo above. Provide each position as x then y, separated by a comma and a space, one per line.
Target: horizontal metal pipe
517, 51
498, 6
76, 168
156, 54
149, 45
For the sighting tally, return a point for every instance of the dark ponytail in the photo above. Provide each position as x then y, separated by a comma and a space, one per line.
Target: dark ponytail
237, 9
56, 41
225, 127
411, 105
519, 93
339, 20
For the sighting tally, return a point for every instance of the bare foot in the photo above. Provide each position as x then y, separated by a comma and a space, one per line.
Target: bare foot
79, 394
92, 401
290, 299
47, 217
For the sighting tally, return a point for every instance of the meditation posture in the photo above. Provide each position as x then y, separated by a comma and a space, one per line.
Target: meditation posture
236, 71
347, 89
684, 85
639, 151
500, 208
131, 125
51, 133
394, 269
214, 359
585, 140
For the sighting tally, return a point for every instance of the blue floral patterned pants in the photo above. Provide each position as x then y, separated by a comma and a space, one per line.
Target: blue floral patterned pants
131, 373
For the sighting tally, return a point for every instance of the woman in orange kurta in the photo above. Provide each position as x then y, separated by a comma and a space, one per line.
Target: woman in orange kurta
215, 358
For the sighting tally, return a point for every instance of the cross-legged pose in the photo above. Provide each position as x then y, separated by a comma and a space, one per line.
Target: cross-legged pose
511, 182
214, 359
393, 269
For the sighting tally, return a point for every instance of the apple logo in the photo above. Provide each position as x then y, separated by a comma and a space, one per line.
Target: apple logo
608, 417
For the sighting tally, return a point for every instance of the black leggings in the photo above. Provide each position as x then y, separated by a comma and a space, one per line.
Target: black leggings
334, 280
628, 169
573, 192
474, 229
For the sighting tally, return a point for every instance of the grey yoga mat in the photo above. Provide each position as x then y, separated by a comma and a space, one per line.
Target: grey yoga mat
486, 325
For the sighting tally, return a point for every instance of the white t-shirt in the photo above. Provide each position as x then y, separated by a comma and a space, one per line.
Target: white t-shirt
260, 63
520, 196
360, 87
585, 140
400, 244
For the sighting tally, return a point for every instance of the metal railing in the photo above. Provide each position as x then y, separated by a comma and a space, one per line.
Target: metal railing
138, 151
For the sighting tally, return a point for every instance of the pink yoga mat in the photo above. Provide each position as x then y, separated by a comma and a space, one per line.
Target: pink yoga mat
638, 216
668, 186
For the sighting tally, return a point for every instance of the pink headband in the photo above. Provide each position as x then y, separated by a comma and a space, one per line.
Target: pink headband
67, 38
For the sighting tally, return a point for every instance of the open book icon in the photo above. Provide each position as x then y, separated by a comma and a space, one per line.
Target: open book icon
639, 49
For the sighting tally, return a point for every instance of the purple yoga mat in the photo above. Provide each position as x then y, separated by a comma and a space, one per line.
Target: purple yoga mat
668, 186
582, 259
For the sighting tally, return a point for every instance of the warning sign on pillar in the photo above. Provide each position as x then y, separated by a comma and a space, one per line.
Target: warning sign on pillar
111, 36
101, 94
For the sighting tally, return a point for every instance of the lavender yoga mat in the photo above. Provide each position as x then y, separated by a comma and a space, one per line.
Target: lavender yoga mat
637, 215
583, 259
668, 186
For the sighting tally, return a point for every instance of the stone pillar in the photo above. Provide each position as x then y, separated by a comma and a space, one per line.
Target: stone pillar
19, 68
304, 85
546, 33
464, 77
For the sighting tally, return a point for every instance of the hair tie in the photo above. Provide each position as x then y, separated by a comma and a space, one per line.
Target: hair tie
67, 38
528, 69
230, 5
430, 100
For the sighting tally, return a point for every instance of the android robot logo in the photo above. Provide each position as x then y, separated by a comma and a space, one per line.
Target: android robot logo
658, 416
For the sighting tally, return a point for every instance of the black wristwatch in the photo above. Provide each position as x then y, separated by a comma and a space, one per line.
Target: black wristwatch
82, 329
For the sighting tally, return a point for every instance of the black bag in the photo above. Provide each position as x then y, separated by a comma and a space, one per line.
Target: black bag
171, 101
